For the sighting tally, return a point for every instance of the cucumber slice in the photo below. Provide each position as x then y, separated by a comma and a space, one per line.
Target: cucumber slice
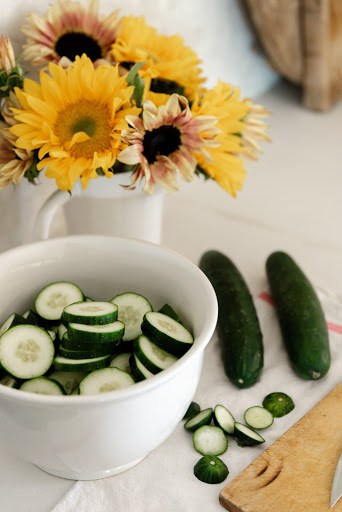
52, 299
245, 436
202, 418
278, 404
151, 356
191, 411
108, 333
69, 380
30, 317
26, 351
132, 308
52, 334
80, 365
74, 345
121, 361
224, 419
168, 334
12, 321
90, 313
139, 371
210, 440
62, 329
86, 353
43, 386
10, 382
169, 311
211, 470
104, 381
258, 417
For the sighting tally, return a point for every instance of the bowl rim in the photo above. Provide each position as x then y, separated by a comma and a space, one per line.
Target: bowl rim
139, 387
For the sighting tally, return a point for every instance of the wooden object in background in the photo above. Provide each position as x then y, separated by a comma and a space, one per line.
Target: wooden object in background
296, 473
302, 40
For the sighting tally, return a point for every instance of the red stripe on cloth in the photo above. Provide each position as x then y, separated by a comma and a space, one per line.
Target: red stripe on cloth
334, 327
265, 296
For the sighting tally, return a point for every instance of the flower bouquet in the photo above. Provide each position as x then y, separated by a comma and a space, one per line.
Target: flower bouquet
114, 95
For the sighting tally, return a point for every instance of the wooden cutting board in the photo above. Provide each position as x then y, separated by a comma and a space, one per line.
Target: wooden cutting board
295, 474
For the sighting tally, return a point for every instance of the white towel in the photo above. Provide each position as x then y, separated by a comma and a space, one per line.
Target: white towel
164, 481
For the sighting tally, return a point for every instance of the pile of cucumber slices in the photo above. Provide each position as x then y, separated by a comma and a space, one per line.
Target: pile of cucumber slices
212, 426
71, 344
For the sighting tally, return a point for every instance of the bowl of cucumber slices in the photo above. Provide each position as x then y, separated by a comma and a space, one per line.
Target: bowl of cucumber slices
101, 347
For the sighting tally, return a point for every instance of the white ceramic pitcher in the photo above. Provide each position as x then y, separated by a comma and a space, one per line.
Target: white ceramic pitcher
105, 208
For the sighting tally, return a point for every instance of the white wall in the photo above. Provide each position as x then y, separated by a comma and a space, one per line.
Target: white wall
216, 29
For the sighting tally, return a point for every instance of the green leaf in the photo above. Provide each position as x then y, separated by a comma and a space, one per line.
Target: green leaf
134, 79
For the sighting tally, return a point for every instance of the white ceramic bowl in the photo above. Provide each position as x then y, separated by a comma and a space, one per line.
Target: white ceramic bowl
86, 438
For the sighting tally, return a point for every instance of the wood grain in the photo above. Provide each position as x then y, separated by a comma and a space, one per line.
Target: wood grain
295, 474
302, 40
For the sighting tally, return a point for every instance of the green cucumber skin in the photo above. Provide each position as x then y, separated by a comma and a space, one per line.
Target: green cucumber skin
301, 318
238, 327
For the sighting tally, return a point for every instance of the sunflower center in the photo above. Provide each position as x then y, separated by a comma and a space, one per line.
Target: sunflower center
161, 141
72, 44
90, 117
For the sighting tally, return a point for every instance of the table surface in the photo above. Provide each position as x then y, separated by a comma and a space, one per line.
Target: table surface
291, 201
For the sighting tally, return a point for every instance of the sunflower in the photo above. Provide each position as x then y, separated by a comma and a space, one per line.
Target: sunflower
170, 65
164, 141
225, 165
75, 116
14, 162
255, 129
69, 29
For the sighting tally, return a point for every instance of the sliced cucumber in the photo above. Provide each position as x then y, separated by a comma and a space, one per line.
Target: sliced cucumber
245, 436
139, 371
12, 321
258, 417
62, 329
52, 299
278, 404
75, 345
69, 380
211, 470
86, 353
169, 311
168, 334
10, 382
132, 308
151, 356
191, 411
30, 317
224, 419
80, 365
52, 334
121, 361
210, 440
26, 351
108, 333
43, 386
90, 313
202, 418
104, 381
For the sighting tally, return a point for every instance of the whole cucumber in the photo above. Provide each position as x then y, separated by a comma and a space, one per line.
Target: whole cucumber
301, 318
238, 326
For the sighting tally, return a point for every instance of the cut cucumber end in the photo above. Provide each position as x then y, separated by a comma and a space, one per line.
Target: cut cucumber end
278, 404
211, 470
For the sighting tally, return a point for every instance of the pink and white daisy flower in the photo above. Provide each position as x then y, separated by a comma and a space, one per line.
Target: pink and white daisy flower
165, 142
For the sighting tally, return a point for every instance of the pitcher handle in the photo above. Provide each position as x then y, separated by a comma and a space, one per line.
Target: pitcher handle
47, 213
